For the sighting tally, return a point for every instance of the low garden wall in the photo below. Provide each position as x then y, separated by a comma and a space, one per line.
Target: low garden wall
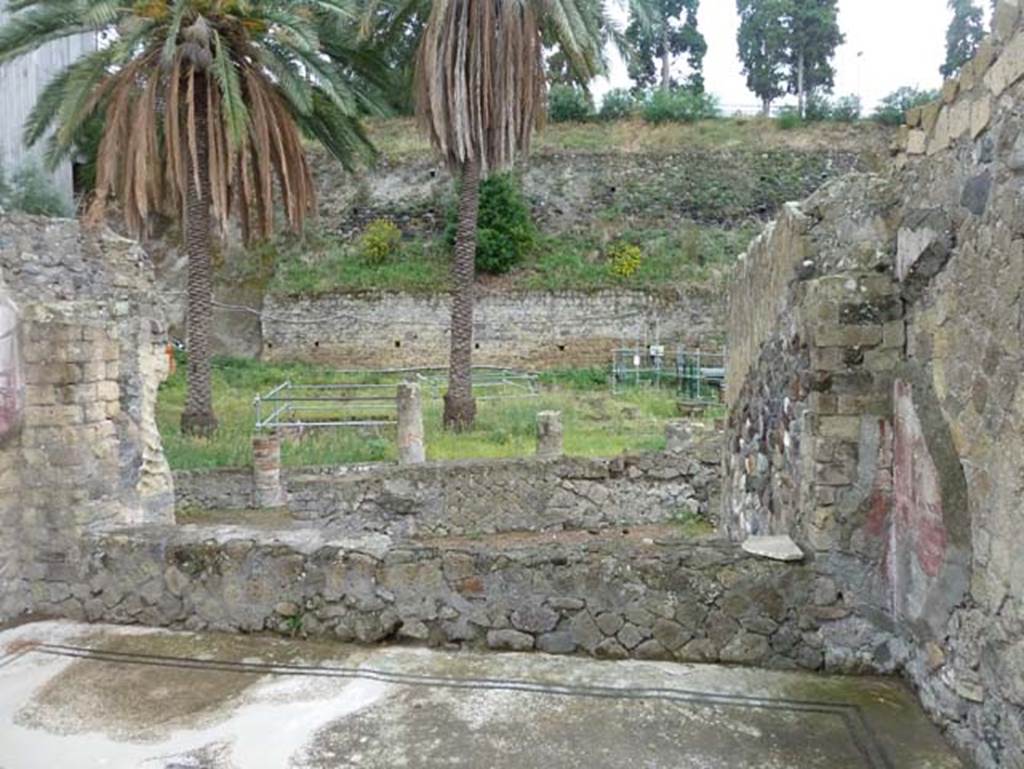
655, 598
481, 496
531, 330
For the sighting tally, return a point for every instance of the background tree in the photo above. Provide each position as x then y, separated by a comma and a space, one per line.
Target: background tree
480, 91
812, 38
963, 36
658, 32
559, 63
762, 40
205, 103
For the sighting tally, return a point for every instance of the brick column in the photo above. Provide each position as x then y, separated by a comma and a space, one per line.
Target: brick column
268, 491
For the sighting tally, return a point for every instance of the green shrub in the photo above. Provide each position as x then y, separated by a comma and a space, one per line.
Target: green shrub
379, 241
817, 108
617, 104
625, 259
680, 105
893, 108
789, 118
569, 103
846, 109
505, 231
31, 191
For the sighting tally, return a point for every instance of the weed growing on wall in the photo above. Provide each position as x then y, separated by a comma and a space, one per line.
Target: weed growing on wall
624, 259
379, 241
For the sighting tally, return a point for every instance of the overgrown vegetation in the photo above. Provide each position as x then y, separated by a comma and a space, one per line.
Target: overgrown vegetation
31, 191
569, 103
893, 108
505, 232
379, 241
690, 254
821, 109
618, 104
398, 141
596, 422
679, 105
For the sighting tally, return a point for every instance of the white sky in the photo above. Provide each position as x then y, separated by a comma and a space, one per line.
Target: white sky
903, 43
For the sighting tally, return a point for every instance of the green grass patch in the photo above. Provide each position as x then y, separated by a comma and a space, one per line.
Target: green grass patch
596, 422
688, 255
320, 263
398, 140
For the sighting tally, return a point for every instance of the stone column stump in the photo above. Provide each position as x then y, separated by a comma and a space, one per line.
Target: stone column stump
268, 491
411, 446
549, 434
677, 436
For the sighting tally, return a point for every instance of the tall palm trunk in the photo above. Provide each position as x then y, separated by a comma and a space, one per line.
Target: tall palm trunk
459, 405
198, 417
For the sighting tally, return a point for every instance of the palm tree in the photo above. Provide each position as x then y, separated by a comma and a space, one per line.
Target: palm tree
480, 92
205, 104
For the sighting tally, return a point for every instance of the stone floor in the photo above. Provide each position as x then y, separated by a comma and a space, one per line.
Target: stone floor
75, 695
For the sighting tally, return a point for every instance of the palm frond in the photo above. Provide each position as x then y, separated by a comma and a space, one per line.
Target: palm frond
480, 80
232, 107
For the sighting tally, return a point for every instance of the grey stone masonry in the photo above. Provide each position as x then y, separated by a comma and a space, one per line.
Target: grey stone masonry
658, 596
876, 397
481, 496
89, 453
524, 330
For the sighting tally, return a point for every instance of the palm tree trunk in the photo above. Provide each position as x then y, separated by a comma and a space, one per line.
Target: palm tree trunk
198, 417
459, 405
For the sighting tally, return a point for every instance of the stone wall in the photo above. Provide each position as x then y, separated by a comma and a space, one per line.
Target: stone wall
530, 330
670, 598
89, 452
880, 417
482, 496
655, 189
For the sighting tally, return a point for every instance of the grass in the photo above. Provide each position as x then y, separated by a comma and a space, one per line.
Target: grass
691, 254
596, 423
398, 140
320, 264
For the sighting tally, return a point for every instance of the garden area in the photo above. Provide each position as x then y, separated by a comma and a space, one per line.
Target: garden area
596, 422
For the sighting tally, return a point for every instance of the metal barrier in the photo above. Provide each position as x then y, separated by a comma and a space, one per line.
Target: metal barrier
326, 405
698, 376
488, 384
298, 406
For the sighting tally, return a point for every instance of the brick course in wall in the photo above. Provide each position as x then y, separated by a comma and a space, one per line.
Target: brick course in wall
88, 453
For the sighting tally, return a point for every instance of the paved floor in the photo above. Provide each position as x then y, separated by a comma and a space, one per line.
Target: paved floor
97, 696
